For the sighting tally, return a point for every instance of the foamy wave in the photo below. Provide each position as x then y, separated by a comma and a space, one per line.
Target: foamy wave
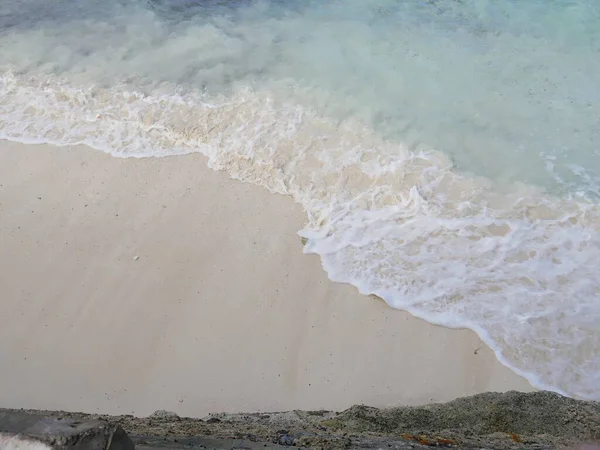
515, 265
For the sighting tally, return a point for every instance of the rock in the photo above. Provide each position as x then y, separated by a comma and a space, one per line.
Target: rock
286, 440
33, 431
161, 414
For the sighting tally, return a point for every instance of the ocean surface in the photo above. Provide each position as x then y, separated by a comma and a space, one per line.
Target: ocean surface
447, 152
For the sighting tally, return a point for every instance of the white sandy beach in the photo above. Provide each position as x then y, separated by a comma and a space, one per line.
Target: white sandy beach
131, 285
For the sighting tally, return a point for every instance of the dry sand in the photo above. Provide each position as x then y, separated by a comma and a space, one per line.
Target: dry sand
130, 285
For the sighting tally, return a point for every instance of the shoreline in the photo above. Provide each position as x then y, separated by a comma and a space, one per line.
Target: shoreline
135, 278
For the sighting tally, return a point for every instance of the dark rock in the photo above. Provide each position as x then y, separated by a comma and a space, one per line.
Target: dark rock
286, 440
538, 413
62, 433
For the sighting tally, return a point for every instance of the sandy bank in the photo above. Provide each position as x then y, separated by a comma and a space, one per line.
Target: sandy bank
135, 285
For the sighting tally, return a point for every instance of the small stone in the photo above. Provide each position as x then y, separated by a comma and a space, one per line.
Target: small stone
213, 420
135, 258
161, 414
286, 440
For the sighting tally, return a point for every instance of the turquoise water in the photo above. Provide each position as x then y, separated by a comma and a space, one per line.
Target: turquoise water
446, 152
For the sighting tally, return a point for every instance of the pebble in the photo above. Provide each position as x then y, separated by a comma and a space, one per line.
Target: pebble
165, 415
286, 440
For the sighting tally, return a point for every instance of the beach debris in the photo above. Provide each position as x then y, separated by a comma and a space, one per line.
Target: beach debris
516, 438
430, 442
136, 257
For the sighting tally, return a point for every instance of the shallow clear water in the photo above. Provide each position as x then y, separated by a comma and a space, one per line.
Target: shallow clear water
446, 151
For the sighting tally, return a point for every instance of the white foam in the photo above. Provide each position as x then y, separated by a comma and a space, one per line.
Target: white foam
514, 264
